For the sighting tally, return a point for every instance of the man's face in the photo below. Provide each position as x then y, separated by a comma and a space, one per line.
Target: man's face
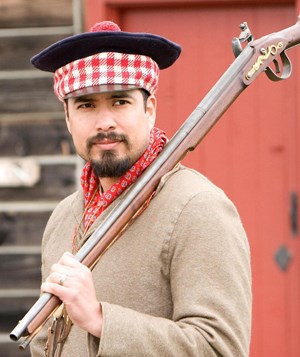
111, 130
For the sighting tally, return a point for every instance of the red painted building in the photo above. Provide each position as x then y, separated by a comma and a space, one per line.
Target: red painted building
252, 153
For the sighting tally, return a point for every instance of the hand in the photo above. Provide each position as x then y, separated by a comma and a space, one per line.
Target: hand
72, 282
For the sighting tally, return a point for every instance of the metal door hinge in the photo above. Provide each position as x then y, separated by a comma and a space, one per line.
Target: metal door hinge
294, 213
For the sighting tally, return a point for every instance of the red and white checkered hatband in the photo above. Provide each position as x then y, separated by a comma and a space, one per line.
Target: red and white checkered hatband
106, 68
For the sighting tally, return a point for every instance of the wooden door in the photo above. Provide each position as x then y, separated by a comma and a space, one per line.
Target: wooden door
252, 153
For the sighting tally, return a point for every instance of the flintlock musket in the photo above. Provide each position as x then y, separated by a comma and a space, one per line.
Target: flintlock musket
254, 58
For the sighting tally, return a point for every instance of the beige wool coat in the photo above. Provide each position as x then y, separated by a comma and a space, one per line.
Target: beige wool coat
177, 283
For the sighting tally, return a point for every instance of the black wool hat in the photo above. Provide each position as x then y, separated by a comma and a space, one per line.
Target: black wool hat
106, 37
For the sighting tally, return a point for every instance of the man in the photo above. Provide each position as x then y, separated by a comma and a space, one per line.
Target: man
177, 282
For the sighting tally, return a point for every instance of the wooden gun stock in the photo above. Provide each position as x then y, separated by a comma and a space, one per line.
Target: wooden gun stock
255, 58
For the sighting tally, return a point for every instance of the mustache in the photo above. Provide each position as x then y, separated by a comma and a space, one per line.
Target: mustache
107, 136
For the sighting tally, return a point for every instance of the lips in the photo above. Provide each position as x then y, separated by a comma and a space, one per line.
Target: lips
107, 144
107, 141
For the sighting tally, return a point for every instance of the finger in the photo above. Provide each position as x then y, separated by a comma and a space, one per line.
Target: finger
61, 269
57, 278
62, 279
53, 288
69, 260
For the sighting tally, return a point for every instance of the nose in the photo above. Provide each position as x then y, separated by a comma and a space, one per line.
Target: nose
105, 120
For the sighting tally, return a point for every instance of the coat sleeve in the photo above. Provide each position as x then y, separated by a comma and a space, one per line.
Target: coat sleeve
208, 261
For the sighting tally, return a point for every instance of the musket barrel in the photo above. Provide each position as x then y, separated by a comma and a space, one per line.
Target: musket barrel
21, 329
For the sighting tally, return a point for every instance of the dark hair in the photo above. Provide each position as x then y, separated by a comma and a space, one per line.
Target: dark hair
145, 95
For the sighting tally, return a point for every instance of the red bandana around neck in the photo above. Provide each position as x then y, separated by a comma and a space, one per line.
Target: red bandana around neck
95, 202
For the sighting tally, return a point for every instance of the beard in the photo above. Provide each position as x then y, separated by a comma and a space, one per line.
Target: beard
109, 165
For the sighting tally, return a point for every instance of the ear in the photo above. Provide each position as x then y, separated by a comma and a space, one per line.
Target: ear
67, 116
151, 110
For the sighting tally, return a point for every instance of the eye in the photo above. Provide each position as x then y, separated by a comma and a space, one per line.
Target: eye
120, 102
86, 105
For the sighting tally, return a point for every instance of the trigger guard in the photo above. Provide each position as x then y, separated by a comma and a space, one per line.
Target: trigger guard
287, 69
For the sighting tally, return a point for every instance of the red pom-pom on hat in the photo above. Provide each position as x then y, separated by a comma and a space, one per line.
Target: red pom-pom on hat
105, 26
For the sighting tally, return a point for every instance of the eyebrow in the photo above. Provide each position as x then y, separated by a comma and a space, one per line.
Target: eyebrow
112, 95
121, 94
81, 99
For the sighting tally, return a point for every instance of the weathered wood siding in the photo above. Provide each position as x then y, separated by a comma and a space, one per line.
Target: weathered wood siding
31, 125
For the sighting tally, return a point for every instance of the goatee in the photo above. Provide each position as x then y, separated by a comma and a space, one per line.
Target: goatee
109, 165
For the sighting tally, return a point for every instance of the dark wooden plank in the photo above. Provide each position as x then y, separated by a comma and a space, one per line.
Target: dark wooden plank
35, 13
17, 51
35, 138
22, 228
57, 181
12, 310
20, 271
28, 95
10, 349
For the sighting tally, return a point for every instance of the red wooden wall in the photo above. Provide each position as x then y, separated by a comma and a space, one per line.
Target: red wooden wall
252, 153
